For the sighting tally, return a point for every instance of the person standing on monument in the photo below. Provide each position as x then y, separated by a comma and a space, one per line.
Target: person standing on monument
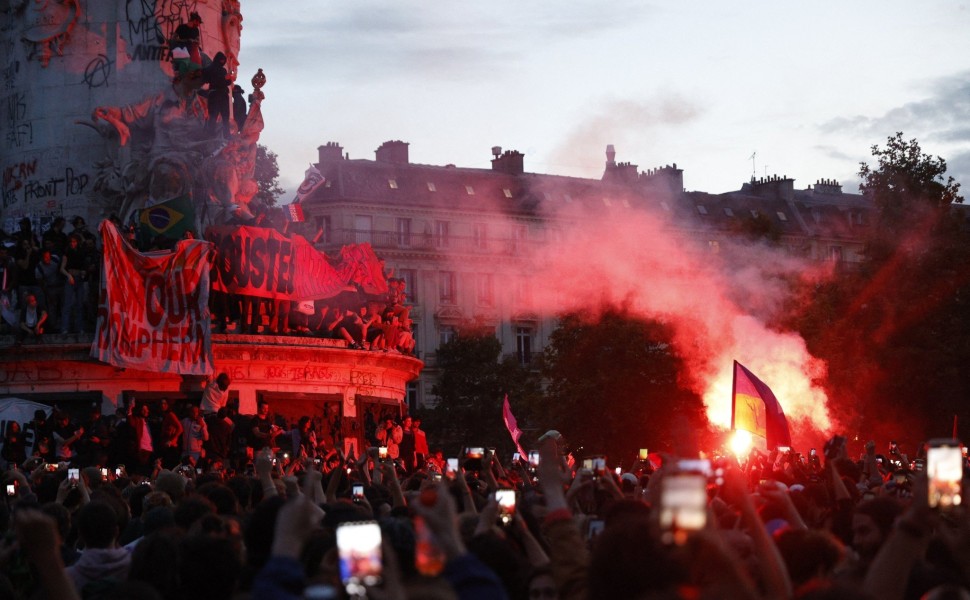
189, 36
217, 78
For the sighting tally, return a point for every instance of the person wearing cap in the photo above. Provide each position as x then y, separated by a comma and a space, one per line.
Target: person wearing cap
188, 36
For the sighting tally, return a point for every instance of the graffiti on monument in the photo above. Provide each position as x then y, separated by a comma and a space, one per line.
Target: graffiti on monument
48, 27
19, 129
152, 23
98, 71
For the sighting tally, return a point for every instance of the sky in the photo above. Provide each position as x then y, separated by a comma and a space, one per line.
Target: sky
725, 90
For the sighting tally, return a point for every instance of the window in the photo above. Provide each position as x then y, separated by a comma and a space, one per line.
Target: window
607, 202
520, 234
523, 345
507, 192
754, 213
446, 333
567, 198
728, 212
446, 287
782, 216
392, 183
702, 209
403, 232
665, 206
431, 187
411, 395
485, 289
469, 190
480, 235
441, 234
324, 231
410, 277
363, 227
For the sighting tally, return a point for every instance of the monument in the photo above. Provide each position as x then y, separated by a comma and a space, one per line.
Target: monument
123, 110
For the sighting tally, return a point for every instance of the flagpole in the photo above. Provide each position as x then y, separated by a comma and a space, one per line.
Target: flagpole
734, 391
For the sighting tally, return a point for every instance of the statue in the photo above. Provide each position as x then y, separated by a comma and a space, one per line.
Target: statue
163, 152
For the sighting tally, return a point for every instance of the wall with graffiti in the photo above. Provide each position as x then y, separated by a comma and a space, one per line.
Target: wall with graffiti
59, 60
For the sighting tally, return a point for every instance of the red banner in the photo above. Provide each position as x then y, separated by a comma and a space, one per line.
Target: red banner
153, 313
260, 262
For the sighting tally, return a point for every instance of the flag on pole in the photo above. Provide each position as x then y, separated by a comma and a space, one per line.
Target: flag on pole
312, 180
294, 213
755, 409
511, 425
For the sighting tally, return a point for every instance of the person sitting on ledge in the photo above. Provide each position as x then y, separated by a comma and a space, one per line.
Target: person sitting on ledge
32, 320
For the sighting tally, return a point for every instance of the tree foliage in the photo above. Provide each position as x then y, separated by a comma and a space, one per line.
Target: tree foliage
267, 173
896, 333
472, 384
613, 387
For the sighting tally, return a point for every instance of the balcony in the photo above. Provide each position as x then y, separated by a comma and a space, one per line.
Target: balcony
427, 242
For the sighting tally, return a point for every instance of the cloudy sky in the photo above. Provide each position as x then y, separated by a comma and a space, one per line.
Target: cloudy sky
808, 87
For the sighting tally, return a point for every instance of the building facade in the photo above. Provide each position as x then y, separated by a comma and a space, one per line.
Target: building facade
465, 240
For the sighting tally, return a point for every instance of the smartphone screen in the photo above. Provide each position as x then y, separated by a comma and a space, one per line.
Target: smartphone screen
595, 528
588, 464
644, 454
359, 549
516, 457
452, 466
683, 506
599, 465
534, 458
73, 475
358, 490
382, 452
104, 473
944, 471
506, 505
11, 489
474, 452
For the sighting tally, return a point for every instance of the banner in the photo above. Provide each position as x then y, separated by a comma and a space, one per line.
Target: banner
756, 410
261, 262
153, 313
511, 424
294, 213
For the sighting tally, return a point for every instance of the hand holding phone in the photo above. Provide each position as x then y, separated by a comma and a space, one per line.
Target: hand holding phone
361, 559
506, 505
944, 472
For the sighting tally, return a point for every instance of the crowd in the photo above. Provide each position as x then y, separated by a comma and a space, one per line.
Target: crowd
780, 525
50, 283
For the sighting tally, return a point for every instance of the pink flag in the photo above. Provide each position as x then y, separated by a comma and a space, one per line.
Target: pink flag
511, 425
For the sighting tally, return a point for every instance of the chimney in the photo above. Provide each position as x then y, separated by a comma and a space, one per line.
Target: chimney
610, 156
330, 153
511, 162
394, 151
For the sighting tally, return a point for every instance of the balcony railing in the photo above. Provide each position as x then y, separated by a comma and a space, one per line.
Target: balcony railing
428, 242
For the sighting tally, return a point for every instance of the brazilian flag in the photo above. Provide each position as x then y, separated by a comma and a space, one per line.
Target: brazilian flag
171, 219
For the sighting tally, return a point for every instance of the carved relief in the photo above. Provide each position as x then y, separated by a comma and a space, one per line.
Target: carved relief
48, 26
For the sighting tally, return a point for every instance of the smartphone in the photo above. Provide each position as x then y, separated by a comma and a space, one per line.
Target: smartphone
944, 471
119, 470
599, 466
516, 457
534, 458
198, 471
812, 452
382, 452
700, 465
683, 506
51, 467
73, 475
104, 472
595, 528
359, 549
357, 491
784, 449
644, 454
11, 489
588, 464
477, 452
452, 467
506, 505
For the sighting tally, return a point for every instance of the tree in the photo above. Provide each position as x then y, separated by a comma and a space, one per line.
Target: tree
613, 387
470, 390
910, 195
895, 333
267, 174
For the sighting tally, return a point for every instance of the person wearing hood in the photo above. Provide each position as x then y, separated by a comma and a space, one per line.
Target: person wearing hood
219, 82
103, 561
